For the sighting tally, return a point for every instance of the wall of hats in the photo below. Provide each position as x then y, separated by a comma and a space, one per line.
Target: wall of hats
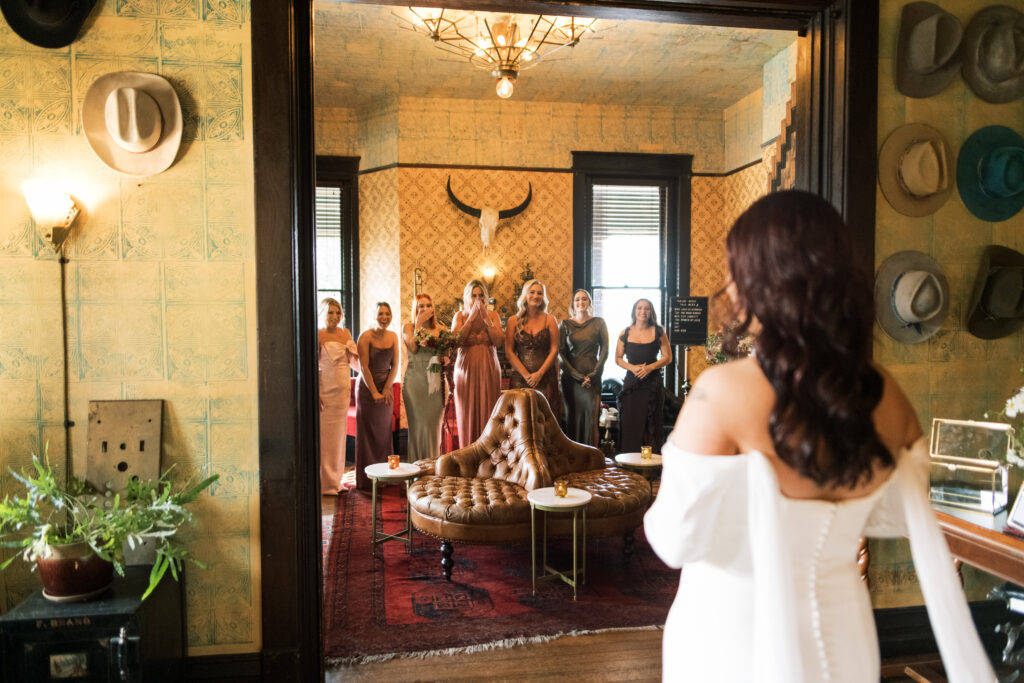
949, 286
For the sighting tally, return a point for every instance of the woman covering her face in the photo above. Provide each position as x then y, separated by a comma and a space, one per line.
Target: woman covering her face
337, 352
477, 373
378, 355
781, 461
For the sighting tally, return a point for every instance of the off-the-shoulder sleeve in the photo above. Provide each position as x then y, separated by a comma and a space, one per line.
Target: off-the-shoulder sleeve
680, 525
905, 508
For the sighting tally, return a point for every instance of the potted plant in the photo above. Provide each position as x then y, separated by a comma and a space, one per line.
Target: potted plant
76, 537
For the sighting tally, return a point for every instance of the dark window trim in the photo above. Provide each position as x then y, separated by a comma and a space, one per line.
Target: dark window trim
837, 113
343, 172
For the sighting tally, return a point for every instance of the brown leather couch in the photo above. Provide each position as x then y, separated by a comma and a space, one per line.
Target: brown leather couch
478, 494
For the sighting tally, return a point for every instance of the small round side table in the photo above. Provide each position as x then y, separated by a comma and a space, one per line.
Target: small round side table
545, 500
635, 462
381, 472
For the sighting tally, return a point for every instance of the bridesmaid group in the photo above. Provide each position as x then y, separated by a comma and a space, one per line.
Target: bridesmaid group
535, 345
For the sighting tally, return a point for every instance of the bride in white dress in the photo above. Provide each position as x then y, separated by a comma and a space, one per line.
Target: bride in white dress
781, 461
337, 350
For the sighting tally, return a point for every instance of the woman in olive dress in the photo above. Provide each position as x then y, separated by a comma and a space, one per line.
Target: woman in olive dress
642, 399
583, 350
378, 356
421, 388
531, 346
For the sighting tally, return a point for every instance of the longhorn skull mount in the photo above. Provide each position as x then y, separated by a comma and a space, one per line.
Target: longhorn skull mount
488, 216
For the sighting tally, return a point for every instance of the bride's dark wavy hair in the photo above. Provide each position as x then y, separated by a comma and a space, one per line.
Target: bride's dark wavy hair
791, 260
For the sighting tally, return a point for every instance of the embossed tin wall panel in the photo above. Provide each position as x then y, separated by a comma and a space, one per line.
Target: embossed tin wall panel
160, 286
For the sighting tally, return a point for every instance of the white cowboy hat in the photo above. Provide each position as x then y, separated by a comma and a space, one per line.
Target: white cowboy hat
911, 297
928, 53
915, 170
132, 121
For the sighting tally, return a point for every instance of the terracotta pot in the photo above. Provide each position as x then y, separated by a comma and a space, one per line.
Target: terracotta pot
73, 572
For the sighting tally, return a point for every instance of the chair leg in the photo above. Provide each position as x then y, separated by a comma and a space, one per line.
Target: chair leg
628, 540
446, 559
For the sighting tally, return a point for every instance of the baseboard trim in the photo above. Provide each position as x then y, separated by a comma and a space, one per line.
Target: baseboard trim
240, 668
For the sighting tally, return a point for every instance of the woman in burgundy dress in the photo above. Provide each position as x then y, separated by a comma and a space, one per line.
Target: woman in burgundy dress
531, 346
378, 357
477, 374
642, 399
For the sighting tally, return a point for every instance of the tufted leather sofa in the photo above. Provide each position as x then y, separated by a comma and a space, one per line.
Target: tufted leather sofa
477, 494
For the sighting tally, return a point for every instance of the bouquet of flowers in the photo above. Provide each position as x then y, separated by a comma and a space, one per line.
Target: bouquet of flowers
714, 355
440, 348
1014, 412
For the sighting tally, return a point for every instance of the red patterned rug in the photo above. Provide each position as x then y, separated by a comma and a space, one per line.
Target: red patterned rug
399, 604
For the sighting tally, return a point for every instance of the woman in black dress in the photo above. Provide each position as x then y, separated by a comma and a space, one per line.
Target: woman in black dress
642, 399
583, 350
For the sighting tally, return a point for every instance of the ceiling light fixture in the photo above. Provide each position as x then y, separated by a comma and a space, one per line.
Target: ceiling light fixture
504, 46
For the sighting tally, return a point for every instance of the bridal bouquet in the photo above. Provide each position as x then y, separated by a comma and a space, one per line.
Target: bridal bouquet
440, 348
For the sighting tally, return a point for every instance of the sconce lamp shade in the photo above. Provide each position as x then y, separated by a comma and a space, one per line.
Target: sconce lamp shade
52, 209
488, 276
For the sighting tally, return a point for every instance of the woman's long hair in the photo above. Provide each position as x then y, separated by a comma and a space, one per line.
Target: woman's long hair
521, 303
433, 317
791, 260
654, 314
467, 293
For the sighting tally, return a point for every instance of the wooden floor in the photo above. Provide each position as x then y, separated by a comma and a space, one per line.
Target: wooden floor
632, 655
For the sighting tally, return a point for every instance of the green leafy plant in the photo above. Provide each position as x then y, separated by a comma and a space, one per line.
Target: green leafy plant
51, 513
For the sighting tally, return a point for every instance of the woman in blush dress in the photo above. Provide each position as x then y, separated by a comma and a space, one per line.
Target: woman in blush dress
378, 355
779, 464
337, 352
424, 399
642, 399
531, 346
583, 350
477, 373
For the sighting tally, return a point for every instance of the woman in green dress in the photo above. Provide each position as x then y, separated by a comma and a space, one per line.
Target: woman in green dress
583, 347
421, 388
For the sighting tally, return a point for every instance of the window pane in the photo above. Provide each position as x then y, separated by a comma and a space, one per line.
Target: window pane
329, 213
627, 225
615, 305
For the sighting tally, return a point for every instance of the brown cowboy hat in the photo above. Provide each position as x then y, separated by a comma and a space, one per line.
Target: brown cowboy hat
997, 300
915, 170
911, 297
928, 54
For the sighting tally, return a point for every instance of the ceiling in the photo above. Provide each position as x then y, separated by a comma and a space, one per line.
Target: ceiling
362, 54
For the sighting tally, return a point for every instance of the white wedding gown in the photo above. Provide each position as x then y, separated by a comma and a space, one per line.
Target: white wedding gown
770, 588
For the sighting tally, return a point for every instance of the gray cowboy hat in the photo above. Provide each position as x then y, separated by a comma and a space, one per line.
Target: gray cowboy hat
928, 53
911, 297
915, 170
47, 23
990, 173
994, 54
997, 300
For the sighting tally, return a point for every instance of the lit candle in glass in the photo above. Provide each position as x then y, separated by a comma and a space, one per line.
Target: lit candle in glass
645, 452
393, 461
561, 488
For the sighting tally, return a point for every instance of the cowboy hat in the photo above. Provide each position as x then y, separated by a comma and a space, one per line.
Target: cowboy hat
928, 52
994, 54
911, 297
47, 23
132, 121
990, 173
914, 170
997, 300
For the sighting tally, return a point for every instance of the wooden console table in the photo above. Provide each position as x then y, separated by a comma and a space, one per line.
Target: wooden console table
978, 540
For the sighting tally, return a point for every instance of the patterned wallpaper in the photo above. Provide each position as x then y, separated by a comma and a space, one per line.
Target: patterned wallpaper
379, 250
160, 284
953, 374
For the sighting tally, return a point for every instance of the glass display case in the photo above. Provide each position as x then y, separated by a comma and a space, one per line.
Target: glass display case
969, 464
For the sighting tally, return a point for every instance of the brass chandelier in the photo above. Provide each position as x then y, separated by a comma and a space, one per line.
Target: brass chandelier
503, 46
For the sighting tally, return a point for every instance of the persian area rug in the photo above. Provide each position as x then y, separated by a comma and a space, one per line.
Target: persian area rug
399, 604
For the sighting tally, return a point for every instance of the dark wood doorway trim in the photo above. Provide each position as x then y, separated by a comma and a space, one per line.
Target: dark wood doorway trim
837, 146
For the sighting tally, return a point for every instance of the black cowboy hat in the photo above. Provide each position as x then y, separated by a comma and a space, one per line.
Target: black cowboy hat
997, 300
47, 23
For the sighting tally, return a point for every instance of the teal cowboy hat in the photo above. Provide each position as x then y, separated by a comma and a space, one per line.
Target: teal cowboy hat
990, 173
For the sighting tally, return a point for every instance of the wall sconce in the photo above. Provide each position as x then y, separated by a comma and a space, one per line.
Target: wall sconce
52, 209
488, 277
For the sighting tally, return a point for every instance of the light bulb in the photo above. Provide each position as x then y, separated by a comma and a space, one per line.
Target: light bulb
504, 87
